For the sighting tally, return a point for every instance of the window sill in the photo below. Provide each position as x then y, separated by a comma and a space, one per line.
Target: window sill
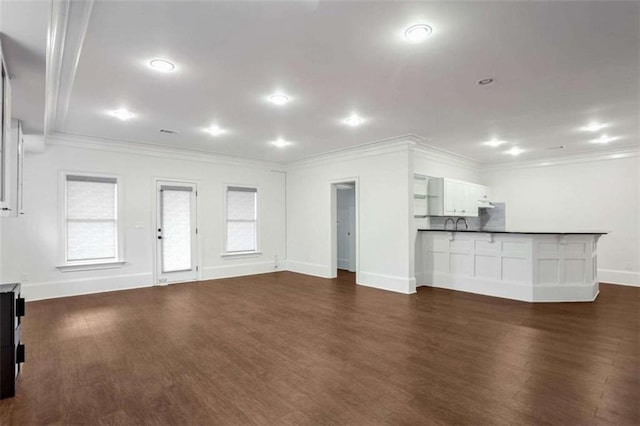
241, 254
74, 267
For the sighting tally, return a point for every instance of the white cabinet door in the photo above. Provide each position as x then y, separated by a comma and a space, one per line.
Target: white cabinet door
472, 200
451, 195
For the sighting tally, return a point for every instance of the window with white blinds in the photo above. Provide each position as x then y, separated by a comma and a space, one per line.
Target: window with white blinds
91, 219
242, 220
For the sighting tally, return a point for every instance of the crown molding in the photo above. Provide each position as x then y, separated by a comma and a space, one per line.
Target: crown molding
383, 146
617, 153
125, 147
444, 156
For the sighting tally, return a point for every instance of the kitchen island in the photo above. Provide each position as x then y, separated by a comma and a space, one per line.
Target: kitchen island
519, 265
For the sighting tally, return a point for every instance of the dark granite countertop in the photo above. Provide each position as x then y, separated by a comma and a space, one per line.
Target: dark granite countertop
489, 231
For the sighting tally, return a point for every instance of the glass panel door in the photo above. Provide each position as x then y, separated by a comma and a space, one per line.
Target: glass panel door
176, 232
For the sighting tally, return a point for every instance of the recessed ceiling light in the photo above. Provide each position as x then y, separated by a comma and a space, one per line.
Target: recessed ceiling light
215, 130
122, 113
354, 120
515, 151
417, 33
162, 65
603, 139
279, 99
494, 142
593, 127
280, 143
485, 81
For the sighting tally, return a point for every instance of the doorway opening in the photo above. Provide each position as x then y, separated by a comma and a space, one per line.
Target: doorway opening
176, 232
344, 253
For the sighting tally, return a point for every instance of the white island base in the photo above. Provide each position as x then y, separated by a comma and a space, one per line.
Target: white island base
532, 267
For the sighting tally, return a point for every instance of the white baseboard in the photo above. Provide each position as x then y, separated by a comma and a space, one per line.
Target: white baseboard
612, 276
314, 269
402, 285
239, 270
79, 286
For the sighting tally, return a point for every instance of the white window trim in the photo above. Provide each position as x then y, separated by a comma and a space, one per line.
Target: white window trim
84, 265
240, 254
74, 267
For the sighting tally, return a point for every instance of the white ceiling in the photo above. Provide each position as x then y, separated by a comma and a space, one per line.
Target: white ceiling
557, 66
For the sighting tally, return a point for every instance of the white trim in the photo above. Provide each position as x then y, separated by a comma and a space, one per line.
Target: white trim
80, 286
307, 268
56, 36
62, 219
447, 157
612, 276
381, 147
78, 22
196, 255
87, 266
404, 285
333, 213
613, 153
148, 149
238, 270
241, 255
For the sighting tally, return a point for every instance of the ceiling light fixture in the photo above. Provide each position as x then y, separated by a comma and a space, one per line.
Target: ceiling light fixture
215, 130
485, 81
279, 99
603, 139
122, 113
162, 65
354, 120
417, 33
494, 143
280, 143
593, 127
515, 151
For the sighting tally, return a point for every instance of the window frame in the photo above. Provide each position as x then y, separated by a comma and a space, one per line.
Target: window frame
247, 253
77, 265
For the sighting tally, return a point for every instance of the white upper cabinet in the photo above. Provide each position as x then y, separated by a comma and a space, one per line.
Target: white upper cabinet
450, 197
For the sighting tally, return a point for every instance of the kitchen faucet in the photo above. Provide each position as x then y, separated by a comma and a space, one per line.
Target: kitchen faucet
447, 221
466, 225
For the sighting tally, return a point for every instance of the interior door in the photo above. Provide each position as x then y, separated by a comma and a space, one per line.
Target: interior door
176, 232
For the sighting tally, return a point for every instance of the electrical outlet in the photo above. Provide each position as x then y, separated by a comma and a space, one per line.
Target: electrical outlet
162, 280
24, 278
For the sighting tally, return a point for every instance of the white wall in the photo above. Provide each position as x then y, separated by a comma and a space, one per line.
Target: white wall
31, 242
599, 194
382, 213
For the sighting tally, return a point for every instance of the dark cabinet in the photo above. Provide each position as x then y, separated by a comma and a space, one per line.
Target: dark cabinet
12, 353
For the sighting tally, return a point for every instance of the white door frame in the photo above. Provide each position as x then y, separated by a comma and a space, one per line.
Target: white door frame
333, 194
155, 220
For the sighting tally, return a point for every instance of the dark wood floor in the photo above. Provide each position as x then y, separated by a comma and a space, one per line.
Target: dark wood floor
291, 349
